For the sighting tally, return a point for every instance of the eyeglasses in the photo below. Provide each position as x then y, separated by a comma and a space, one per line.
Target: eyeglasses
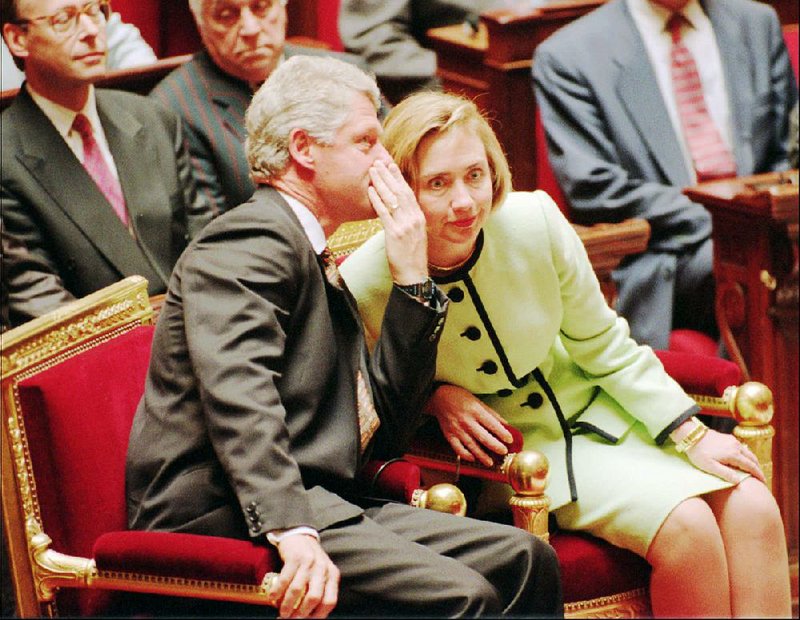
66, 20
229, 15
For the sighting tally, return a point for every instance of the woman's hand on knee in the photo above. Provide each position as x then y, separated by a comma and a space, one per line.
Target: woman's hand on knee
471, 428
724, 456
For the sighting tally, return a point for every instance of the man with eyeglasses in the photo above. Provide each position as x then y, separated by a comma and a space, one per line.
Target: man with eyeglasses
243, 41
95, 182
126, 48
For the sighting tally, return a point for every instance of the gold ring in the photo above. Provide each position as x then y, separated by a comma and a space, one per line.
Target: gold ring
394, 205
297, 604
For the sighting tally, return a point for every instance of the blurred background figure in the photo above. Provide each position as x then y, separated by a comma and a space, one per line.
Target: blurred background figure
390, 36
641, 98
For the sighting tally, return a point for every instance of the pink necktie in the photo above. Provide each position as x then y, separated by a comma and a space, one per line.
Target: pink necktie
98, 169
711, 157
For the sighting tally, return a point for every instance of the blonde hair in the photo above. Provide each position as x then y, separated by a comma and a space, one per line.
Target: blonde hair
433, 113
313, 93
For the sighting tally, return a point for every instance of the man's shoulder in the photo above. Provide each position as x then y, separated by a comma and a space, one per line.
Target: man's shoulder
136, 104
591, 31
191, 72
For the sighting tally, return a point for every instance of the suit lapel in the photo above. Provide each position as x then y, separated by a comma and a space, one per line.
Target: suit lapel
230, 95
637, 88
54, 166
735, 55
127, 141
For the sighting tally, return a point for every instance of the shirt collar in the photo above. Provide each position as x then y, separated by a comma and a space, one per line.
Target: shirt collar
61, 117
309, 222
657, 15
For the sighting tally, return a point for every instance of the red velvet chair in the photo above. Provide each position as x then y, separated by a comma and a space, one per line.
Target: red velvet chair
71, 381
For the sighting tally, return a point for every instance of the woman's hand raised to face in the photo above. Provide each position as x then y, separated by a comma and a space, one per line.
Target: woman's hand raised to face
403, 223
471, 427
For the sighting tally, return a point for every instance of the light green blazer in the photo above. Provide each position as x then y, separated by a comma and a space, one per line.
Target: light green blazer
529, 332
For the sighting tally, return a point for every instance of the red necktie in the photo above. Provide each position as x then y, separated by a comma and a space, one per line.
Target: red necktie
98, 169
711, 157
368, 420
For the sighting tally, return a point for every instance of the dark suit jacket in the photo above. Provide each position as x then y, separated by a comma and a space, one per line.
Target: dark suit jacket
250, 405
212, 105
54, 207
612, 145
27, 286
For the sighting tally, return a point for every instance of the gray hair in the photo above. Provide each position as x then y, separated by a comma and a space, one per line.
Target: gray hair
313, 93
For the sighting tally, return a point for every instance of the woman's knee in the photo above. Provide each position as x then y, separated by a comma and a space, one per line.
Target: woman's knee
690, 530
749, 509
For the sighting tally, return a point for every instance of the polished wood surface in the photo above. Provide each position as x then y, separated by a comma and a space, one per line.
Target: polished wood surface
755, 224
139, 80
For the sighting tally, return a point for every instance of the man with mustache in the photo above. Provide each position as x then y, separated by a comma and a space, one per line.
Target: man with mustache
243, 41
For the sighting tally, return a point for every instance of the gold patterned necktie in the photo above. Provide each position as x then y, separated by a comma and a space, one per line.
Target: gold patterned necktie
711, 157
368, 420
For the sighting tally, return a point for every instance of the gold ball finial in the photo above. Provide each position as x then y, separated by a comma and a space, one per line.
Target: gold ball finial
751, 404
445, 497
528, 472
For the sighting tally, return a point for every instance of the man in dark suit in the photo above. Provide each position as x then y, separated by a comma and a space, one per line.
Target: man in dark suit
262, 402
243, 42
617, 145
96, 183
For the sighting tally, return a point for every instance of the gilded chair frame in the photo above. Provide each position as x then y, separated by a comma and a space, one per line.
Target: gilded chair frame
38, 570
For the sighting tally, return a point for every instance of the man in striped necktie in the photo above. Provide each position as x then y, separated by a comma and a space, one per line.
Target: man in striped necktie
642, 98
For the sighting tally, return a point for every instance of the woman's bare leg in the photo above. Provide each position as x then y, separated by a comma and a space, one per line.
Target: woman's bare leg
755, 547
689, 566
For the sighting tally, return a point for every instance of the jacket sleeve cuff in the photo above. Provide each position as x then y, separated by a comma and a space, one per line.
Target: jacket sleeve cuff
662, 436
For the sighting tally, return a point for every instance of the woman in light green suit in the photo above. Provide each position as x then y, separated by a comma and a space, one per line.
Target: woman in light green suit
530, 339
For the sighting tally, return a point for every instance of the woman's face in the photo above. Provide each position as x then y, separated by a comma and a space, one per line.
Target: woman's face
454, 190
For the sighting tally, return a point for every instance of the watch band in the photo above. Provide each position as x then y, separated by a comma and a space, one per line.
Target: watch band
422, 290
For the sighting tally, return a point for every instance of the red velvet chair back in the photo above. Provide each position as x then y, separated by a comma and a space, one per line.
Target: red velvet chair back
77, 416
545, 177
328, 23
791, 34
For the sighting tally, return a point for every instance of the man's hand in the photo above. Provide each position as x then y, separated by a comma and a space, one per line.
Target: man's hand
403, 223
468, 424
308, 584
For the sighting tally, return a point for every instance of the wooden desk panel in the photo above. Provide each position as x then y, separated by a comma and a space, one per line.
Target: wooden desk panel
755, 229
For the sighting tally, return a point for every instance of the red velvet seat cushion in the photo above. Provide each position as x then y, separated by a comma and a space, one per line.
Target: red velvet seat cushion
185, 555
591, 567
693, 341
397, 481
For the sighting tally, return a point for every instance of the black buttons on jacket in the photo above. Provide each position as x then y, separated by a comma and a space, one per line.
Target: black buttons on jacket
534, 400
489, 367
455, 294
471, 333
505, 392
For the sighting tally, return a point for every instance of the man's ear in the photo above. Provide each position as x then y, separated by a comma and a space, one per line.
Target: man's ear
16, 38
301, 148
